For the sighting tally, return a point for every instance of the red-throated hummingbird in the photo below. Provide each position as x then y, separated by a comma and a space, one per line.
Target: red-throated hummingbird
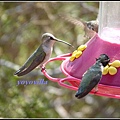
92, 76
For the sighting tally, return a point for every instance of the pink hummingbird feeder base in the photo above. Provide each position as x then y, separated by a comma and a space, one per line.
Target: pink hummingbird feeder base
109, 85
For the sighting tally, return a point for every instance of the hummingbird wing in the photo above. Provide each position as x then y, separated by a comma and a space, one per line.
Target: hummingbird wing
84, 90
89, 81
33, 61
72, 20
90, 27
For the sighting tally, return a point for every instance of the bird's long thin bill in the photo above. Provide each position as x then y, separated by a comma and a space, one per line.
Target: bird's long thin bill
63, 42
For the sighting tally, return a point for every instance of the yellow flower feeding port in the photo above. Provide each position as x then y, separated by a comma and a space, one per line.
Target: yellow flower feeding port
77, 53
111, 68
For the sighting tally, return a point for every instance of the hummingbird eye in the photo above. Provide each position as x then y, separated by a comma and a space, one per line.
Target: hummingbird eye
93, 28
51, 37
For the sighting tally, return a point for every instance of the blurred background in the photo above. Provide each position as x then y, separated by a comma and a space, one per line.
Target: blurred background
21, 27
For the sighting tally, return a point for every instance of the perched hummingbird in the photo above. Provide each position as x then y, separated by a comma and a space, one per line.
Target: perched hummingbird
40, 55
92, 76
90, 27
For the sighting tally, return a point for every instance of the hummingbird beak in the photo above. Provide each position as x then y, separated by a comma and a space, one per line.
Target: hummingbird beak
58, 40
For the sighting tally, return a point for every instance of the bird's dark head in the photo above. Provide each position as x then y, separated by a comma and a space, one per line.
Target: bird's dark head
93, 25
104, 59
90, 25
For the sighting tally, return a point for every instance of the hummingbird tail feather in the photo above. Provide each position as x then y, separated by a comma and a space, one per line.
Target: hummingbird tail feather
80, 95
18, 71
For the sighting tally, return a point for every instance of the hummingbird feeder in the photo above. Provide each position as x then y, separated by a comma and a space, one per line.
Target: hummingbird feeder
106, 41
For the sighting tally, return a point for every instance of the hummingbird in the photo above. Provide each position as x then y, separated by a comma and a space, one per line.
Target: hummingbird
92, 76
90, 27
40, 55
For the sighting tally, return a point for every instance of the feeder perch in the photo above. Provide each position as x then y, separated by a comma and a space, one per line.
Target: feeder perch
106, 41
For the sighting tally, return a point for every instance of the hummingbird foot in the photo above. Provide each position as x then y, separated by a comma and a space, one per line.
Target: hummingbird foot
43, 68
96, 89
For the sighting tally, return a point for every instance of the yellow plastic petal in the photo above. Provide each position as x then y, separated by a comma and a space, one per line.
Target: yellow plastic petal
82, 47
74, 52
105, 70
116, 63
72, 57
78, 54
112, 70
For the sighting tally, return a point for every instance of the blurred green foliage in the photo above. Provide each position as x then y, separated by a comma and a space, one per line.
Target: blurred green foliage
21, 27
